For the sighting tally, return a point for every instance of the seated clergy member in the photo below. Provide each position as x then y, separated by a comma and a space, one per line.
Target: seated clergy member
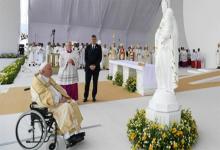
47, 93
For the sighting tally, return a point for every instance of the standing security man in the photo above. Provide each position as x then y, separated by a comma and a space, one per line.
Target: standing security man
93, 58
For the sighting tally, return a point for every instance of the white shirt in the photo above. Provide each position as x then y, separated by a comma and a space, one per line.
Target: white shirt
93, 46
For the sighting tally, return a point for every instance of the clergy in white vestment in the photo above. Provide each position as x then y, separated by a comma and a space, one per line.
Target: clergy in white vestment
49, 48
193, 59
49, 51
82, 55
138, 53
121, 53
57, 49
188, 57
40, 54
152, 55
105, 60
26, 49
146, 56
184, 58
132, 54
112, 53
68, 75
47, 93
32, 55
218, 59
76, 52
199, 62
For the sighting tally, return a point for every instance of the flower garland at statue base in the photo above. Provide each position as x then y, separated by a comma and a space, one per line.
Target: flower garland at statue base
148, 135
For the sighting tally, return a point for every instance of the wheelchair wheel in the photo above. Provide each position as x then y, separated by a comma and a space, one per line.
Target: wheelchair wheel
51, 145
31, 130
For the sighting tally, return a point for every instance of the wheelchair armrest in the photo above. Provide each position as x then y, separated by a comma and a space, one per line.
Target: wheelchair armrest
33, 104
27, 89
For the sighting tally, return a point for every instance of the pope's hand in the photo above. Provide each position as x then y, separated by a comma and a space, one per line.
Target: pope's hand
63, 100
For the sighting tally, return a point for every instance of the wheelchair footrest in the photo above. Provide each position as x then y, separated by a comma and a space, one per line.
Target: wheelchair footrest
74, 139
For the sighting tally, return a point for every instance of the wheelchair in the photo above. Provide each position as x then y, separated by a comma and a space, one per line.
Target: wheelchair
36, 127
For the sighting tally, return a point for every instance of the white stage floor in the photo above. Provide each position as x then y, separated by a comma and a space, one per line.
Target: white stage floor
113, 117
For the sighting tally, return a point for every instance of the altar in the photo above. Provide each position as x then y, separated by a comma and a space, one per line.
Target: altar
145, 74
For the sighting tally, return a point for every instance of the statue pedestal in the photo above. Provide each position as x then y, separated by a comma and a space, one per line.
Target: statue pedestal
164, 108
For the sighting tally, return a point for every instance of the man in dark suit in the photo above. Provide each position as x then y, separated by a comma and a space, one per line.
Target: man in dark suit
93, 57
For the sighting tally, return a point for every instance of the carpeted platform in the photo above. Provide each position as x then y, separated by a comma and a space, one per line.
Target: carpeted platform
17, 100
185, 83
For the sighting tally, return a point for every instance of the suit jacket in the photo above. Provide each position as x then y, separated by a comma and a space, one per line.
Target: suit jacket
93, 56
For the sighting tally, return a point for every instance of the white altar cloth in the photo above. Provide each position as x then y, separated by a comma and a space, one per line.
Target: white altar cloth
145, 75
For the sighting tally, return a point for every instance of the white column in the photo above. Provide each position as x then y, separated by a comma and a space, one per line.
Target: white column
140, 82
126, 73
114, 70
110, 73
10, 25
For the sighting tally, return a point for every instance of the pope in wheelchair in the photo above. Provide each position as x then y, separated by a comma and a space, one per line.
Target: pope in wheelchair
65, 111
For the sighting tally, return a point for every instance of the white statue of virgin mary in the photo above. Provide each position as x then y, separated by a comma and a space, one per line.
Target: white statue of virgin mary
166, 42
164, 107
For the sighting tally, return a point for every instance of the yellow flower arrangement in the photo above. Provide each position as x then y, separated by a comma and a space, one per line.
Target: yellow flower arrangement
148, 135
118, 79
131, 84
174, 130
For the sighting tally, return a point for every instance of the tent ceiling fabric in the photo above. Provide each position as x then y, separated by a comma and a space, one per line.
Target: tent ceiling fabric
101, 17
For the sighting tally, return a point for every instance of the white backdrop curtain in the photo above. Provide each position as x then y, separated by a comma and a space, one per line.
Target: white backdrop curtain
77, 20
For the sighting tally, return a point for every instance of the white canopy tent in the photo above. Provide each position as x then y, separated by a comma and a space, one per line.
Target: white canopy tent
129, 20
